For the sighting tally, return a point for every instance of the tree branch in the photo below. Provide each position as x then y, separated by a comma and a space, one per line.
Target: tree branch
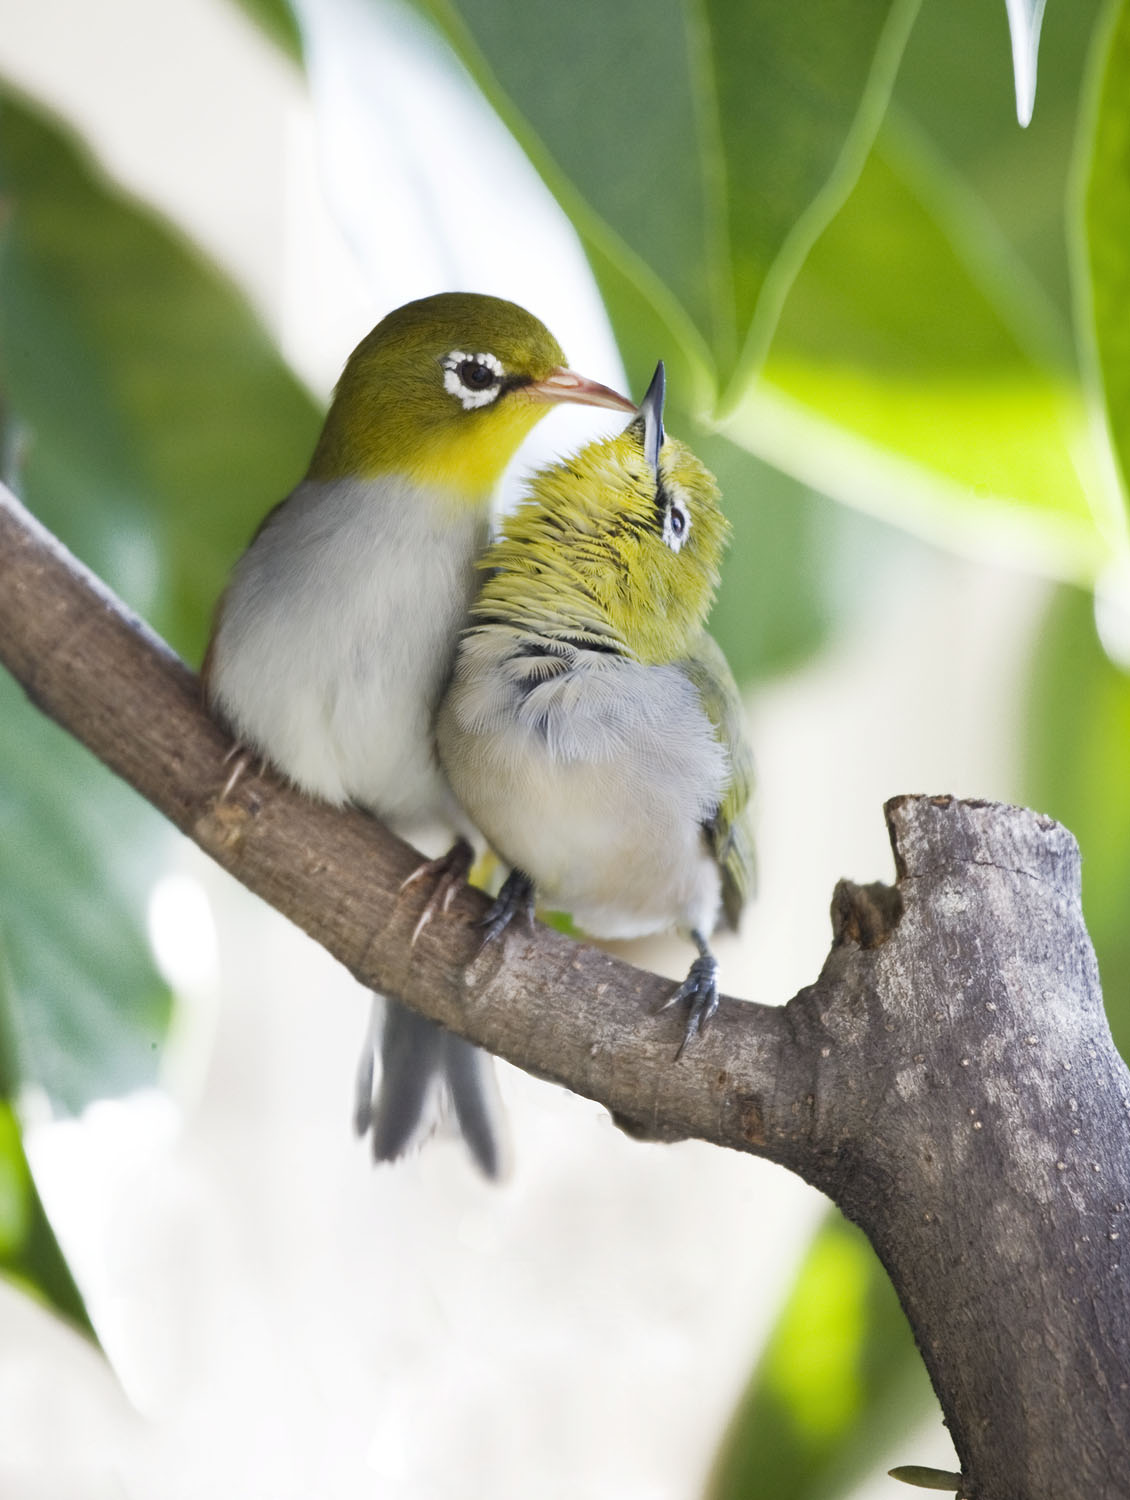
556, 1008
949, 1080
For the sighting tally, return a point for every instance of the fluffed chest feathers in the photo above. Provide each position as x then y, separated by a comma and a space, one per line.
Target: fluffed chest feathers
336, 637
592, 773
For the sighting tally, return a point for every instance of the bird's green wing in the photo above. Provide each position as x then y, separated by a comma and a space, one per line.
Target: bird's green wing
728, 829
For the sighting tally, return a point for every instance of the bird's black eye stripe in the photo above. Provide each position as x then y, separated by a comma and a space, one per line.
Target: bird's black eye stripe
515, 382
662, 504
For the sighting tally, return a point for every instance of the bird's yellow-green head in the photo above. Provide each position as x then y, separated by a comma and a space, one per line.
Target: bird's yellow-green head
618, 546
443, 390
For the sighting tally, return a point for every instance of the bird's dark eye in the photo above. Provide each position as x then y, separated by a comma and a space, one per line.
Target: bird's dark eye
473, 379
476, 376
676, 517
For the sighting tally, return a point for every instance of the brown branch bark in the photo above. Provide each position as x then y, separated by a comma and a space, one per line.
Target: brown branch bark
949, 1080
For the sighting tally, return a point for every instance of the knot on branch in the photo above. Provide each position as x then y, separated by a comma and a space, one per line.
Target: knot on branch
866, 915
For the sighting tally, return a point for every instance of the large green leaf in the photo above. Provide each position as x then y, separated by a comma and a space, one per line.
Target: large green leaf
953, 82
914, 374
1078, 742
839, 1380
923, 367
1103, 261
700, 144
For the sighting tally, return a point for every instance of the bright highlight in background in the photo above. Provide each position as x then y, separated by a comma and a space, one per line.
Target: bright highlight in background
182, 933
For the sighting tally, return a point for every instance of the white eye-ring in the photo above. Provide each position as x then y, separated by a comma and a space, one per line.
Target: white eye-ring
474, 379
676, 522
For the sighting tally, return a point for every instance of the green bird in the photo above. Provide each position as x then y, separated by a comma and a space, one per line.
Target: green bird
592, 729
335, 637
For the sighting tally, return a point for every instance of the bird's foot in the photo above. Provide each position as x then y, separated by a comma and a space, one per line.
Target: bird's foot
449, 871
515, 899
700, 990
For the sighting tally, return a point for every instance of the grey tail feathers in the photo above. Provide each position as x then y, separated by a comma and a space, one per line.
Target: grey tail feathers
426, 1072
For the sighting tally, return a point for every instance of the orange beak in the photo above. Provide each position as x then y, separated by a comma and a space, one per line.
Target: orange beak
567, 385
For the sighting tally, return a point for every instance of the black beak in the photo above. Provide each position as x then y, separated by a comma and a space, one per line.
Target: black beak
650, 419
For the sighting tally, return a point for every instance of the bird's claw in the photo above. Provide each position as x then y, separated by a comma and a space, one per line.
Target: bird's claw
241, 757
515, 899
700, 989
449, 871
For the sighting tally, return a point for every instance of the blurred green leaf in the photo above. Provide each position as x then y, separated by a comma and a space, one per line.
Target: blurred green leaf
29, 1253
701, 146
1103, 261
1077, 739
839, 1379
277, 20
149, 423
88, 1010
157, 422
913, 374
797, 564
774, 604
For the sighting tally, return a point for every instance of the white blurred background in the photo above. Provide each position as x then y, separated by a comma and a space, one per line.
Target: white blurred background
282, 1320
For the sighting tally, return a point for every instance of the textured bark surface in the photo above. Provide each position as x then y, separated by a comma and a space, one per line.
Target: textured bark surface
949, 1080
971, 1113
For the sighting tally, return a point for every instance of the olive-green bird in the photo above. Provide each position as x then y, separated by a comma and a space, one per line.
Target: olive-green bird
592, 729
336, 634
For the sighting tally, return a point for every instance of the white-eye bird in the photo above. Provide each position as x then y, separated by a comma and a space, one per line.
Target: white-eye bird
592, 729
336, 634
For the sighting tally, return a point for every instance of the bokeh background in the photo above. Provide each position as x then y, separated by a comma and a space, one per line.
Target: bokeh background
894, 324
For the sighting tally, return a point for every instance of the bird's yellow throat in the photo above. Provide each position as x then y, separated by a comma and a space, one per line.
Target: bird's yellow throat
583, 554
464, 459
